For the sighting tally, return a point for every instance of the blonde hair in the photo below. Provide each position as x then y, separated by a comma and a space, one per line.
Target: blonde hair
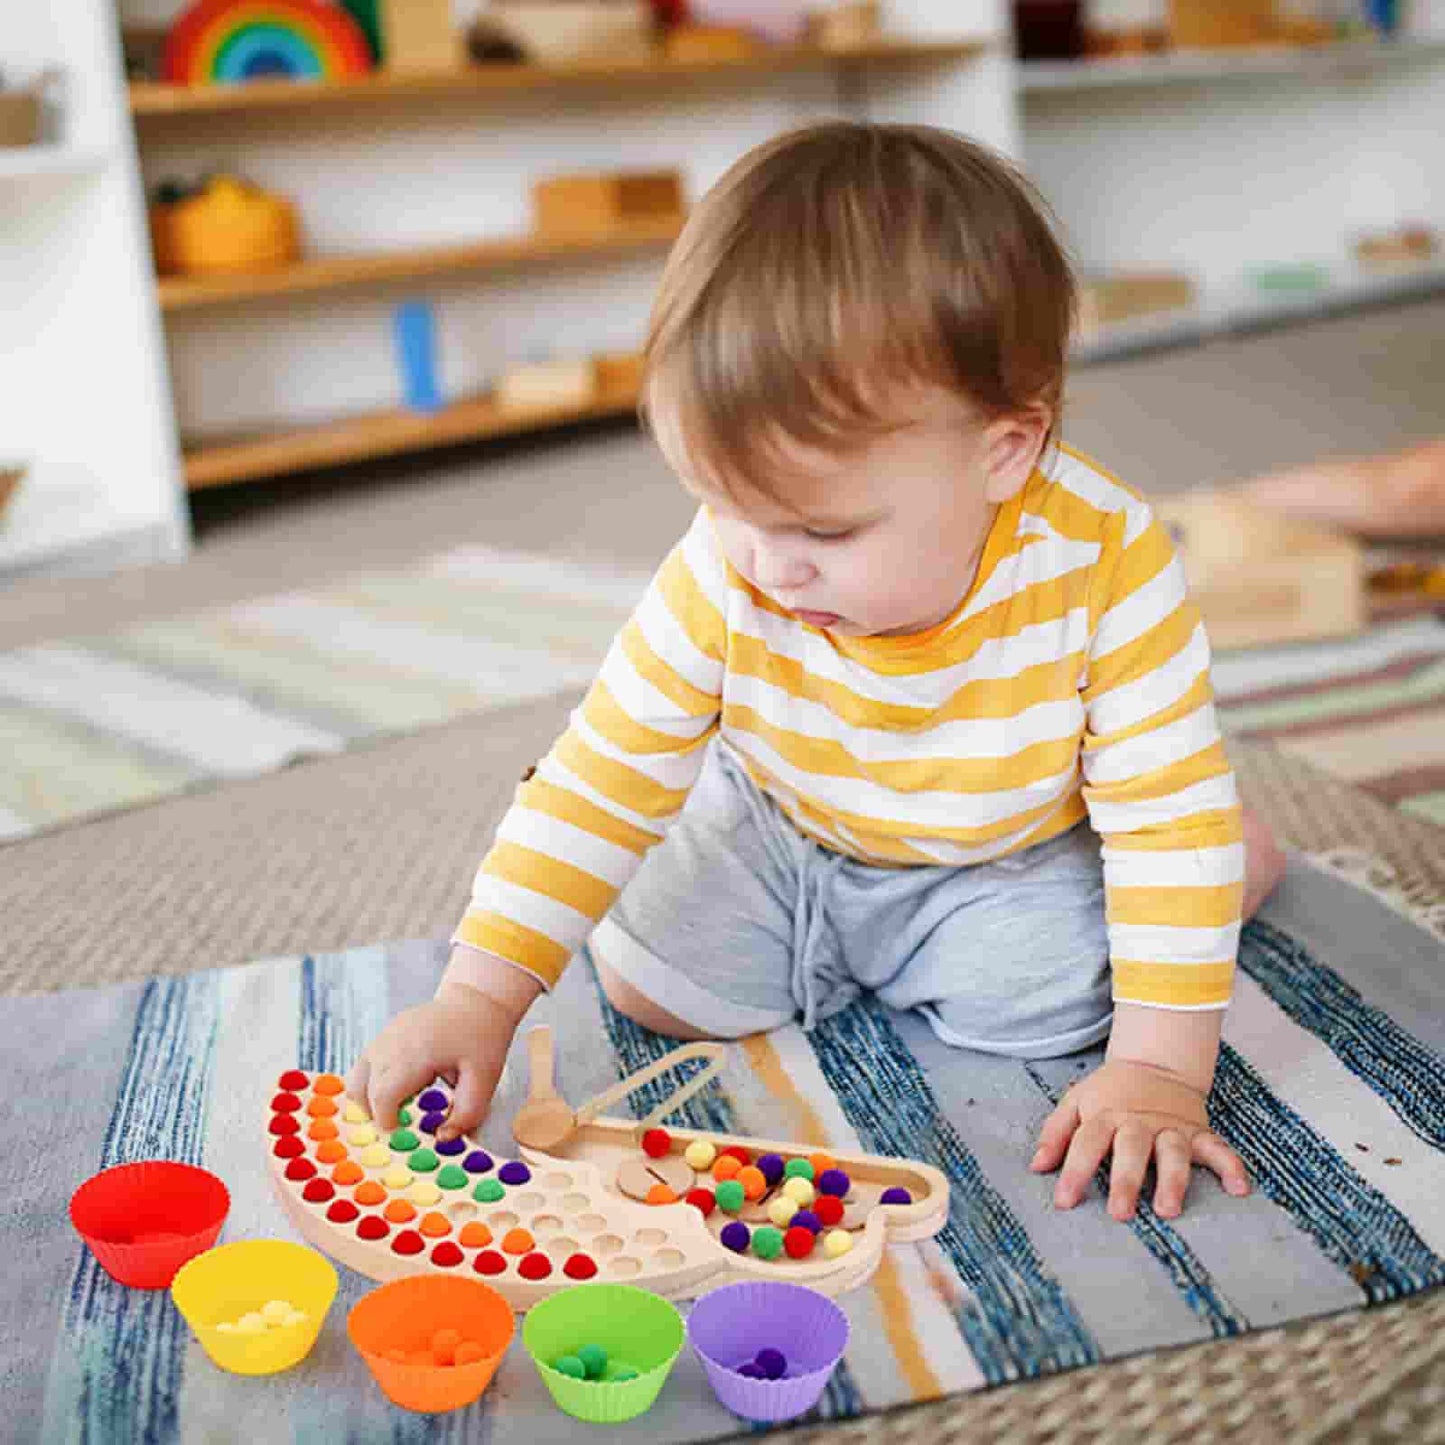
834, 264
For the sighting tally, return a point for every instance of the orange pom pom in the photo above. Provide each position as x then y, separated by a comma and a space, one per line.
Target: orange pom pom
661, 1194
331, 1151
821, 1163
726, 1167
753, 1180
322, 1129
369, 1193
321, 1107
399, 1211
348, 1172
475, 1235
516, 1241
435, 1225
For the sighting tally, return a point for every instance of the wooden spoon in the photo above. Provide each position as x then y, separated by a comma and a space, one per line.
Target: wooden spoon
546, 1120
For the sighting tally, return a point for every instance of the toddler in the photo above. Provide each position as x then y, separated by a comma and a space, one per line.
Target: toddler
917, 706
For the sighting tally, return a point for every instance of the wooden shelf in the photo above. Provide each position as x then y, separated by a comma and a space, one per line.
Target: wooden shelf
385, 433
150, 99
333, 273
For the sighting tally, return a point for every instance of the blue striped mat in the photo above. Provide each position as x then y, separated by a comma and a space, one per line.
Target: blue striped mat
1331, 1085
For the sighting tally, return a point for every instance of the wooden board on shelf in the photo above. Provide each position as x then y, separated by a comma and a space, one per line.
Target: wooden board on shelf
149, 99
330, 273
385, 433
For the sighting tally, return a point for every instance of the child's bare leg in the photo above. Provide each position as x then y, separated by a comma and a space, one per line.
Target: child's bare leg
1398, 495
641, 1009
1264, 862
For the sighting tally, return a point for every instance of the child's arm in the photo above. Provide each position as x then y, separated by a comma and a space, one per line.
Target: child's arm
1160, 792
576, 833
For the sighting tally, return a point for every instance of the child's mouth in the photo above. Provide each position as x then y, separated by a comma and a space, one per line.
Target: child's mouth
816, 619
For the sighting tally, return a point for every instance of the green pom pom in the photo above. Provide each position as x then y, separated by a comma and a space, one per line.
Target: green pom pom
767, 1242
570, 1365
403, 1117
453, 1176
404, 1141
730, 1196
594, 1360
798, 1169
423, 1161
488, 1192
623, 1372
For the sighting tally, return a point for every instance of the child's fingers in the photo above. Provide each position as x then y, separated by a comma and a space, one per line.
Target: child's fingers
1172, 1160
469, 1104
392, 1081
358, 1079
1091, 1143
1133, 1147
1211, 1151
1054, 1137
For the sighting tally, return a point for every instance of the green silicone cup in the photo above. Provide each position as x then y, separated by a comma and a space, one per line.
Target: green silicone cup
634, 1327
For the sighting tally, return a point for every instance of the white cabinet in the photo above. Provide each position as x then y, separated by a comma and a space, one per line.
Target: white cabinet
84, 400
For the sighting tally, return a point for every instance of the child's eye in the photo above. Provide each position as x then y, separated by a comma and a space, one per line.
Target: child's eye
819, 536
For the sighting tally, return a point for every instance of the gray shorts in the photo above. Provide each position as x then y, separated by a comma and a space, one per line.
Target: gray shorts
736, 923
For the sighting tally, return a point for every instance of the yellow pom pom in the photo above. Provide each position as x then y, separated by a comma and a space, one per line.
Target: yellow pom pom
837, 1242
700, 1154
800, 1189
782, 1209
424, 1192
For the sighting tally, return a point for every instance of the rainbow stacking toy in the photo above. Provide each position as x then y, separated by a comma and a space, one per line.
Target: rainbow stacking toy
234, 41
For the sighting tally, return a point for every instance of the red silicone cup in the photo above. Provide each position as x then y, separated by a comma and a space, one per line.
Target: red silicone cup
144, 1221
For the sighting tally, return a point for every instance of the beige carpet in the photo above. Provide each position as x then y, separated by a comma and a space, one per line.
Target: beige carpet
380, 843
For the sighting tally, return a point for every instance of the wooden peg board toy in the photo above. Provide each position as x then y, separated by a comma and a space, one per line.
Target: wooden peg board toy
388, 1206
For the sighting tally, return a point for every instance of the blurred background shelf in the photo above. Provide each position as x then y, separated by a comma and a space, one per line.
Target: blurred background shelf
150, 99
33, 162
320, 274
1191, 67
221, 461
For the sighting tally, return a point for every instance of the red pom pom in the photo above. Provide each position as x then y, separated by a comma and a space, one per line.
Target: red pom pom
407, 1242
702, 1199
299, 1169
829, 1209
343, 1211
285, 1104
447, 1255
580, 1266
292, 1080
535, 1266
490, 1262
656, 1143
318, 1191
738, 1152
284, 1124
799, 1242
289, 1147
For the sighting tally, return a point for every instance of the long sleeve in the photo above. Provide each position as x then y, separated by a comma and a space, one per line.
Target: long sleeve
579, 828
1157, 783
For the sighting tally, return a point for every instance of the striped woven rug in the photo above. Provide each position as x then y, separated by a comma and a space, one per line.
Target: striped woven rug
1331, 1085
107, 722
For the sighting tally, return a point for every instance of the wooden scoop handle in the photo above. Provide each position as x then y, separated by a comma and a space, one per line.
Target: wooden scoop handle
715, 1054
540, 1071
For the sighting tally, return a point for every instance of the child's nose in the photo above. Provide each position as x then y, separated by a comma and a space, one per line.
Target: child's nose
778, 568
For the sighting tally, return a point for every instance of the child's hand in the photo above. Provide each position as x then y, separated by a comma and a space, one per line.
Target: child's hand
462, 1036
1138, 1113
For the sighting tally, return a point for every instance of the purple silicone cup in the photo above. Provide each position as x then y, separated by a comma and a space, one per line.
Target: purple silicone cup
730, 1325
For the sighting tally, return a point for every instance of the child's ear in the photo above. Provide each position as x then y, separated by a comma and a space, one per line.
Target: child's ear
1012, 447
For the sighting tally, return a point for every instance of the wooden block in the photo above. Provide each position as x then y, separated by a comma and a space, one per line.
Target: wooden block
1209, 23
694, 44
20, 115
587, 204
565, 382
563, 32
1259, 578
846, 26
1110, 299
420, 35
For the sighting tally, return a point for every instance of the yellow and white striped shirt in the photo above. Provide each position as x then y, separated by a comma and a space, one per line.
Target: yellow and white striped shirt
1072, 680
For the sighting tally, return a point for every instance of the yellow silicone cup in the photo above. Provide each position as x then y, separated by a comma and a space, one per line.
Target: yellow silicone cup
225, 1283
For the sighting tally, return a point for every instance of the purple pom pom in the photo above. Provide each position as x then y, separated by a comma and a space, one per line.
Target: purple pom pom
736, 1236
772, 1363
750, 1371
896, 1195
477, 1162
514, 1172
772, 1167
430, 1123
451, 1147
834, 1181
807, 1220
432, 1100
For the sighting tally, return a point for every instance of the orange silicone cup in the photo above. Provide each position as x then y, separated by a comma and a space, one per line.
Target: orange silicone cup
144, 1221
405, 1315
